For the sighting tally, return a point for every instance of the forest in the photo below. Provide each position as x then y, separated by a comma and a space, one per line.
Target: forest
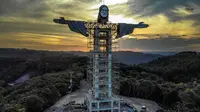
171, 81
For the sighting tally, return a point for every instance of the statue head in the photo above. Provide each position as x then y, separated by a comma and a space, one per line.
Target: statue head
103, 14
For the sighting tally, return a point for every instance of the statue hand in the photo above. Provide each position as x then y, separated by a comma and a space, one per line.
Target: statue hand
142, 25
141, 22
61, 20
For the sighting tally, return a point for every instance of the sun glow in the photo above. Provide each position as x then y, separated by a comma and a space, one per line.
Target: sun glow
113, 2
108, 2
121, 19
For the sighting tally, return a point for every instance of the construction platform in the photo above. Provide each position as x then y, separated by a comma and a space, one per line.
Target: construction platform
72, 107
111, 104
74, 102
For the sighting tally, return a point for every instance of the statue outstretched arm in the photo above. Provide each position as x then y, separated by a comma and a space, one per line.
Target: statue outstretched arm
126, 29
75, 26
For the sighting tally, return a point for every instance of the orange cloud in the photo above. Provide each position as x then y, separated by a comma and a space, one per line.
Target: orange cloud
160, 24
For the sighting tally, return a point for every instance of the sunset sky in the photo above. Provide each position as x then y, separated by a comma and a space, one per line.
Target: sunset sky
174, 24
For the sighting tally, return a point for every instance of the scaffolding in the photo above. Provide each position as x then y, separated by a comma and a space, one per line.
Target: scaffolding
115, 68
102, 73
115, 63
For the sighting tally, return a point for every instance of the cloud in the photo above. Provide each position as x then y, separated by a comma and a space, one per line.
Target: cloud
43, 41
44, 10
79, 9
28, 23
35, 7
161, 44
156, 36
40, 36
145, 8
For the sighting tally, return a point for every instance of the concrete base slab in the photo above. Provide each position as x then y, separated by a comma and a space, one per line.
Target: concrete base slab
79, 97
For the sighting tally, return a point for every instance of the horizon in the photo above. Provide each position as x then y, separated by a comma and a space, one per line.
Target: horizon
155, 52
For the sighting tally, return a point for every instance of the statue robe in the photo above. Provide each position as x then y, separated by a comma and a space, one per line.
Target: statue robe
78, 27
124, 29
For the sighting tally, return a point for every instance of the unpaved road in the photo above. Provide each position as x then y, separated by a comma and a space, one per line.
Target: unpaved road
79, 95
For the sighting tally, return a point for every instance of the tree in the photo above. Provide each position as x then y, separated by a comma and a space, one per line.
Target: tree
34, 104
10, 109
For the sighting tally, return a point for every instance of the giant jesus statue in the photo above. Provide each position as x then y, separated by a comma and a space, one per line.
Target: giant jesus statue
101, 32
103, 16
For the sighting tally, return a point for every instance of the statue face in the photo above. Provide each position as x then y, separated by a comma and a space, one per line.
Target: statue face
104, 12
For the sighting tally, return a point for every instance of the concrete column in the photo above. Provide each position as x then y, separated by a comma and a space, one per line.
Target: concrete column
90, 107
112, 106
110, 74
119, 106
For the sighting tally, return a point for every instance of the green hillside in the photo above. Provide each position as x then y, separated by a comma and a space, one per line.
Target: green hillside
171, 81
